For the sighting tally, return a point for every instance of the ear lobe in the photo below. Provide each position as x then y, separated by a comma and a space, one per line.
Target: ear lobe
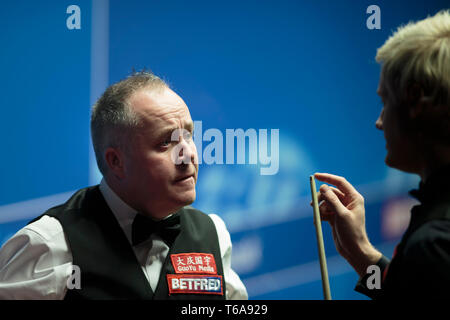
114, 160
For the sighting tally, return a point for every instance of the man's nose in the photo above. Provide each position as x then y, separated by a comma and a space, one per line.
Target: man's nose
186, 154
379, 122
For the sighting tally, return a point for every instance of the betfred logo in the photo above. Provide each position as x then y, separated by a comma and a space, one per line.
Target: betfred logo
194, 263
195, 284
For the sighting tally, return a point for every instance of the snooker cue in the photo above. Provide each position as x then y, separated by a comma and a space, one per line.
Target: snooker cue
319, 236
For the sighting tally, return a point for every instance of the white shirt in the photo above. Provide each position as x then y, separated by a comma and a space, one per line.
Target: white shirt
37, 262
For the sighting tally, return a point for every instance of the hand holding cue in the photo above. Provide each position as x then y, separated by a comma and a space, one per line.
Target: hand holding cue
319, 236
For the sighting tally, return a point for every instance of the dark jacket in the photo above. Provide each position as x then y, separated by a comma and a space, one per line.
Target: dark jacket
420, 267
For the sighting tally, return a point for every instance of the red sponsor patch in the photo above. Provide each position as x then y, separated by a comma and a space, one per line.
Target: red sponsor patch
194, 283
194, 263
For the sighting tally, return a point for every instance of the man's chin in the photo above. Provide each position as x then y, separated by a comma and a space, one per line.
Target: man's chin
391, 164
404, 166
387, 161
186, 198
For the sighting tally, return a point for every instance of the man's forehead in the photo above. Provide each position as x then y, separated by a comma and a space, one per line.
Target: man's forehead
153, 98
161, 110
157, 103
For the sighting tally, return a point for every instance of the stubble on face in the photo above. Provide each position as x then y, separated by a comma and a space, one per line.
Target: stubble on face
159, 186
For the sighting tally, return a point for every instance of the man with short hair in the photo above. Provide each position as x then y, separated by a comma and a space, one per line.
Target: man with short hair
134, 236
415, 89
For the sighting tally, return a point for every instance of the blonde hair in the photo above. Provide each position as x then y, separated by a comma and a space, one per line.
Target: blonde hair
419, 53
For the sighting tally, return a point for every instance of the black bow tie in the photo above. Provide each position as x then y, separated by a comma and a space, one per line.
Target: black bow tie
143, 227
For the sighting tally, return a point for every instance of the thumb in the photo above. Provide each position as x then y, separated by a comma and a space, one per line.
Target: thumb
332, 200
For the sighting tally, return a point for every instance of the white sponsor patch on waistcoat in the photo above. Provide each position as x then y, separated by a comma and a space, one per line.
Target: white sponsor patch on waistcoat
202, 263
197, 284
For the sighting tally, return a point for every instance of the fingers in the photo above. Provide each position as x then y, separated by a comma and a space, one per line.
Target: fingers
331, 199
340, 182
338, 192
325, 212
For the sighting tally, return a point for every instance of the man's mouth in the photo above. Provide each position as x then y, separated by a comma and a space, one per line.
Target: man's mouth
185, 178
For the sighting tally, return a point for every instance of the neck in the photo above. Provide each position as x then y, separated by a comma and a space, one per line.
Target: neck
440, 157
143, 207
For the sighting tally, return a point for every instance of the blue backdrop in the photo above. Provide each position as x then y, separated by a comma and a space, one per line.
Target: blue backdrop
306, 68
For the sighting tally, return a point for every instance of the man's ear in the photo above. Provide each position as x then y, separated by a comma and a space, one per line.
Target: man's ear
115, 161
415, 101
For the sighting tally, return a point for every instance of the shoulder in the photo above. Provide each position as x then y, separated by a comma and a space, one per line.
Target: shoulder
222, 233
430, 243
219, 224
80, 201
43, 240
45, 236
46, 227
425, 260
35, 262
34, 239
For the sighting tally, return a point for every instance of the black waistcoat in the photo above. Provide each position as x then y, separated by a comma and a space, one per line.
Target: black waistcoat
109, 267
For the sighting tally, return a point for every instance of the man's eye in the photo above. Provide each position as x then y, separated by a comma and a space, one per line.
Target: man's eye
166, 143
188, 135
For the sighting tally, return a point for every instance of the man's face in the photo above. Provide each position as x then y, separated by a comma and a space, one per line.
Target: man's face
402, 151
156, 185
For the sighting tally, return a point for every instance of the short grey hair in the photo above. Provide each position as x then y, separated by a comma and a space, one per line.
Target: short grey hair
112, 117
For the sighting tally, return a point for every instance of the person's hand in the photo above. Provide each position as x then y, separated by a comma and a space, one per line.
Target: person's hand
343, 208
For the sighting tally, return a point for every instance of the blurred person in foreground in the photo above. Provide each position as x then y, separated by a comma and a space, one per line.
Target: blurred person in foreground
415, 89
134, 236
